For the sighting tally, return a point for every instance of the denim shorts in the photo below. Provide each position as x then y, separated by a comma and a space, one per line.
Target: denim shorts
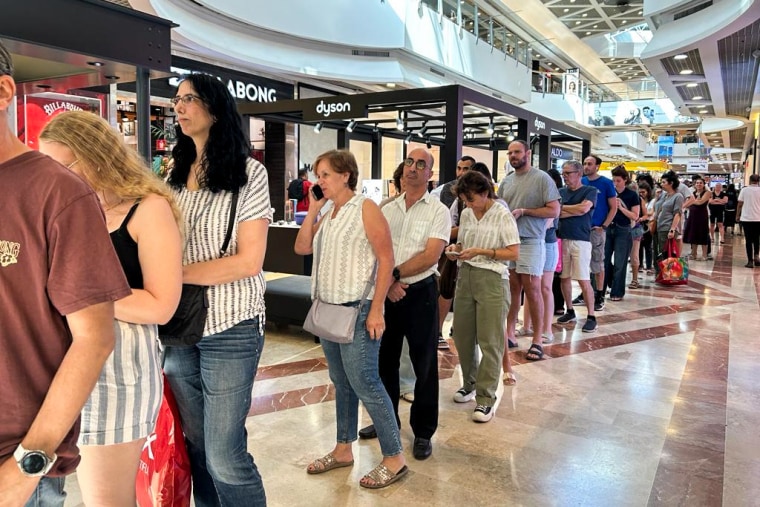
532, 257
552, 257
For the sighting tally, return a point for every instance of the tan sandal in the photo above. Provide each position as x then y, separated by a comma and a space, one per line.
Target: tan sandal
381, 476
325, 464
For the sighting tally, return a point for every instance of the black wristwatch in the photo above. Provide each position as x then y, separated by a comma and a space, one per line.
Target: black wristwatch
33, 463
396, 274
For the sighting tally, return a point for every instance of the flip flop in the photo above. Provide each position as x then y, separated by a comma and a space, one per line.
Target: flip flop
509, 378
327, 463
381, 477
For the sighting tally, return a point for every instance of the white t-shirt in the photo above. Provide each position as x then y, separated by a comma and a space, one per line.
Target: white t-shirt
750, 196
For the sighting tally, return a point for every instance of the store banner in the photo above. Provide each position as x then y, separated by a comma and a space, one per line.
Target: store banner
665, 148
339, 107
696, 166
572, 81
35, 111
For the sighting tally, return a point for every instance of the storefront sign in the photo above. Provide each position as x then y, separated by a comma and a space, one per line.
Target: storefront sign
246, 88
561, 153
696, 166
334, 108
36, 110
538, 126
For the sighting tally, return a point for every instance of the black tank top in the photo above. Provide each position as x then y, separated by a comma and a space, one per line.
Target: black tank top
126, 249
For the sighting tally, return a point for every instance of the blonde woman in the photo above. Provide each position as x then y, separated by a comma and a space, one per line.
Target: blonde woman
143, 222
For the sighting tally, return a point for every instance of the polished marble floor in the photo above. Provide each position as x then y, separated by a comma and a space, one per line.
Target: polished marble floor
661, 406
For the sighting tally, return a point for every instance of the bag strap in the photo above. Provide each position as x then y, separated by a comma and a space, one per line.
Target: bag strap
318, 247
230, 223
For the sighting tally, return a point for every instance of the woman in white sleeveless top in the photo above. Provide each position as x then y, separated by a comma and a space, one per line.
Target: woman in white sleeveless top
350, 238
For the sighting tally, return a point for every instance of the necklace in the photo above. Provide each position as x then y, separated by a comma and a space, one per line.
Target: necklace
106, 209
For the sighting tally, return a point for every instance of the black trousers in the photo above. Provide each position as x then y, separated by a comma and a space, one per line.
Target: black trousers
416, 318
752, 239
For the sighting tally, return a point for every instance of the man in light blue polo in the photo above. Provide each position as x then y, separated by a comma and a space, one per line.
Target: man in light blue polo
533, 197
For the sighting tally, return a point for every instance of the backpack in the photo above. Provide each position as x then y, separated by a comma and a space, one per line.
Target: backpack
295, 190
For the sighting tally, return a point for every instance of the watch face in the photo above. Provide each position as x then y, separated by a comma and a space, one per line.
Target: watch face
33, 462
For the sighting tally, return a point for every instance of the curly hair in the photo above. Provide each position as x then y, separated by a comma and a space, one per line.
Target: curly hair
223, 166
105, 161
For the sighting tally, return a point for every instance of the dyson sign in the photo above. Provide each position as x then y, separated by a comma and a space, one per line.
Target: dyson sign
327, 110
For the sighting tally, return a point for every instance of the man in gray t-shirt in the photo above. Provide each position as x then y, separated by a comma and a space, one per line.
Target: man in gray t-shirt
533, 197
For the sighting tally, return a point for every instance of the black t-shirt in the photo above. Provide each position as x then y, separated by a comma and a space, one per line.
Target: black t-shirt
717, 209
630, 199
733, 198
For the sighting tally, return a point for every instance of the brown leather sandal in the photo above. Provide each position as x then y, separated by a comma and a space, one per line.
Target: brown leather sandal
325, 464
381, 476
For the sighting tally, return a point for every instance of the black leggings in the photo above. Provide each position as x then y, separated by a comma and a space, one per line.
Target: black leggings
645, 250
752, 239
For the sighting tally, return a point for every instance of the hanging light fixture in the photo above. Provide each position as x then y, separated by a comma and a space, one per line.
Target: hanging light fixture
399, 122
424, 129
408, 139
351, 126
428, 143
489, 130
318, 127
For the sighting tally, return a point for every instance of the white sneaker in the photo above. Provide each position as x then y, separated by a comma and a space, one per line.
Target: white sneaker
463, 395
482, 413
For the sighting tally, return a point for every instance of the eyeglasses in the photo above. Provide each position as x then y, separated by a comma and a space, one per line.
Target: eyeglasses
420, 165
186, 99
568, 173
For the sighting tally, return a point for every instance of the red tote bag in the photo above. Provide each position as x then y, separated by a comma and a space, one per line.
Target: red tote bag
163, 479
674, 270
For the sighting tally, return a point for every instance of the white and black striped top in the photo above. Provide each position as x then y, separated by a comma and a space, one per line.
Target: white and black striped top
205, 217
346, 259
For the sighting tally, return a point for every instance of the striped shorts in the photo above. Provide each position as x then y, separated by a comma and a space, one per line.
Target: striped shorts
124, 404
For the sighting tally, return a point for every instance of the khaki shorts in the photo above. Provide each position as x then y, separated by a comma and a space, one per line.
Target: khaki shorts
598, 238
576, 257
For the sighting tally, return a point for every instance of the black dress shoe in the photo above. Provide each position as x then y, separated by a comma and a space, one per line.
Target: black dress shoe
368, 432
422, 448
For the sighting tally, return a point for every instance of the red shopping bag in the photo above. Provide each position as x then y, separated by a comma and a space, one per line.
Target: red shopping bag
163, 479
674, 270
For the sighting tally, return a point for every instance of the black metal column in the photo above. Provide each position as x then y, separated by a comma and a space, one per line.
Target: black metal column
143, 113
544, 153
454, 136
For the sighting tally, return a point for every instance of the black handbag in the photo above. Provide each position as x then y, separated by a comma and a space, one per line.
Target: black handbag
186, 325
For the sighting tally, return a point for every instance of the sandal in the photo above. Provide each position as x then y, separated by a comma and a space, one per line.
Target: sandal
509, 378
547, 338
616, 298
512, 344
325, 464
381, 477
524, 332
535, 352
634, 285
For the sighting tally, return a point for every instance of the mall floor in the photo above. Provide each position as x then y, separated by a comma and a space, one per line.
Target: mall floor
661, 406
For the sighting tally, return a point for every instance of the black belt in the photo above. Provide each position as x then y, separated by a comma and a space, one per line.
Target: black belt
425, 281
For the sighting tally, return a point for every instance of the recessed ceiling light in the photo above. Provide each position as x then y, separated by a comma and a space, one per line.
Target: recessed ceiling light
680, 57
624, 22
566, 10
641, 12
390, 85
588, 33
95, 64
692, 85
584, 14
703, 111
697, 97
686, 71
577, 22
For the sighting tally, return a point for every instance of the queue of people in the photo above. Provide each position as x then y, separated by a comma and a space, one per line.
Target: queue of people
97, 374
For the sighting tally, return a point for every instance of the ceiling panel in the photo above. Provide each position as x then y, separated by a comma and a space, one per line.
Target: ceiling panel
692, 62
739, 56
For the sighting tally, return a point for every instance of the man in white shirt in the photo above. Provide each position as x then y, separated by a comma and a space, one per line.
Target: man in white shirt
420, 227
748, 211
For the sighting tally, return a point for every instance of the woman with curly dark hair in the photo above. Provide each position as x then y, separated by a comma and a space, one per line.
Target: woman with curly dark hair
212, 380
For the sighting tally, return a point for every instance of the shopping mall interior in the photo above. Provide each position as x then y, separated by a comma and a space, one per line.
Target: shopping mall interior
659, 407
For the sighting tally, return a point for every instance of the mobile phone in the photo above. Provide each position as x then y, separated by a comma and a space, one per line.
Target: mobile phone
318, 194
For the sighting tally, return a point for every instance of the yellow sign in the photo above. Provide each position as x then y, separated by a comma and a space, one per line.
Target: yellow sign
636, 166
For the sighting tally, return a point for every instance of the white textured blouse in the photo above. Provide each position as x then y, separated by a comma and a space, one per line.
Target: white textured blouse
205, 215
496, 229
344, 260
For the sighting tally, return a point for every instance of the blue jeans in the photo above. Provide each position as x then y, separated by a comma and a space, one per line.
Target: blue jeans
406, 376
212, 382
617, 248
49, 493
354, 371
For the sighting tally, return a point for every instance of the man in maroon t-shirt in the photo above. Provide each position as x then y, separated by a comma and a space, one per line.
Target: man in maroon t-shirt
59, 277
